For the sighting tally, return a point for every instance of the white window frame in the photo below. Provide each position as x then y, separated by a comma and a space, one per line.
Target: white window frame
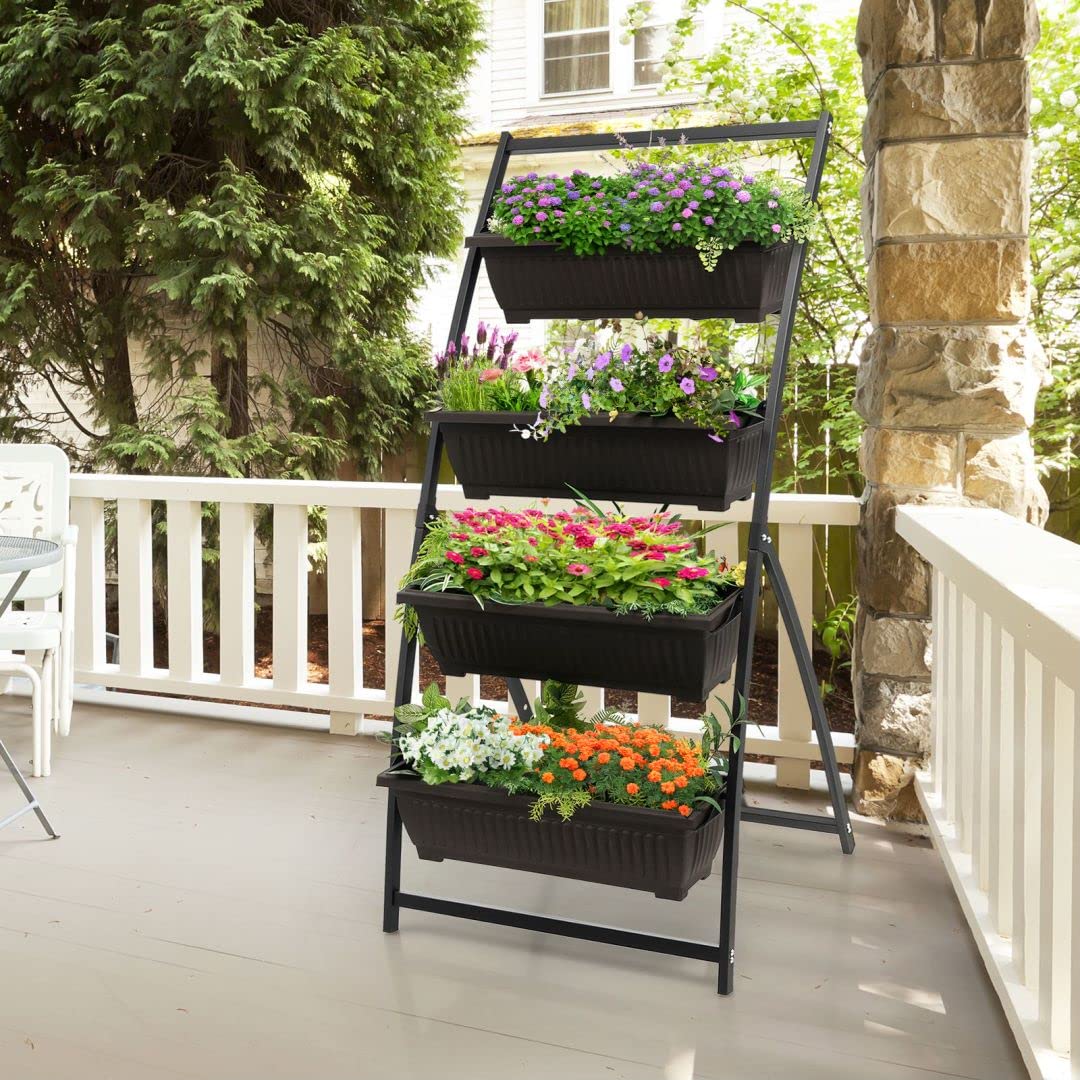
612, 53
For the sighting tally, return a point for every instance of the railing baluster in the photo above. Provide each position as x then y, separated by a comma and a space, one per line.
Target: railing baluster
290, 597
1032, 816
185, 618
344, 625
967, 755
1055, 861
792, 711
1000, 822
1021, 752
237, 591
951, 774
980, 753
397, 531
134, 540
89, 516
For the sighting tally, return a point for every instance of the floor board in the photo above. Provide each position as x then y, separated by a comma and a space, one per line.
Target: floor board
212, 910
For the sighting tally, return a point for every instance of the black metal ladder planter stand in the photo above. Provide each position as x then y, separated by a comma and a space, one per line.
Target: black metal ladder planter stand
489, 826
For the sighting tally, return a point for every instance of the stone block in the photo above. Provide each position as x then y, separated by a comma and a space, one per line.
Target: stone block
866, 218
948, 99
892, 576
894, 714
893, 32
939, 282
950, 377
884, 787
1009, 28
888, 645
926, 460
1000, 472
959, 24
973, 188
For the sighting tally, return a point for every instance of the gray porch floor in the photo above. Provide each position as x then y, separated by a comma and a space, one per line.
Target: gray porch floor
212, 910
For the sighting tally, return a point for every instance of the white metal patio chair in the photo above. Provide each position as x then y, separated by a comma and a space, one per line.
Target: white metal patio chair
34, 503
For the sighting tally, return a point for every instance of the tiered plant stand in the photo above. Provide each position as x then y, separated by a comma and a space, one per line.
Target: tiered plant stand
761, 556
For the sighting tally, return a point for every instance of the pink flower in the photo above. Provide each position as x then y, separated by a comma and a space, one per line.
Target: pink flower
707, 373
577, 569
477, 552
663, 582
656, 556
459, 536
616, 385
775, 228
742, 196
687, 386
490, 374
475, 573
665, 363
689, 573
687, 212
518, 219
677, 227
454, 557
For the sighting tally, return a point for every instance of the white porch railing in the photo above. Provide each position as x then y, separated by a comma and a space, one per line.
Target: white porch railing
1001, 794
352, 704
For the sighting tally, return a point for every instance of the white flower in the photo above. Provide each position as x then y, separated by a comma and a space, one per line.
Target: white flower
1068, 99
1036, 106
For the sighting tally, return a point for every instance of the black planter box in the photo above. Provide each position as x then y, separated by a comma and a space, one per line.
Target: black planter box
631, 458
632, 847
541, 281
682, 655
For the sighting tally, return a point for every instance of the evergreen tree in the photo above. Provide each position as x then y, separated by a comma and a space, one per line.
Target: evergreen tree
186, 185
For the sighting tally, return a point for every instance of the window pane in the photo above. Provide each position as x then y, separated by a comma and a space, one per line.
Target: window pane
574, 15
647, 73
650, 42
576, 45
561, 76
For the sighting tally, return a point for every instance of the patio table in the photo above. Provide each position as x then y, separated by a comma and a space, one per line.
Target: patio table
19, 555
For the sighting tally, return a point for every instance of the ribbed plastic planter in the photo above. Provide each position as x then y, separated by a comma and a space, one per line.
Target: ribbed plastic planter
682, 655
629, 846
631, 458
541, 281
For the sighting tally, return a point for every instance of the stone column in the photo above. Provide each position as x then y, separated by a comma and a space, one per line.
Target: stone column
949, 374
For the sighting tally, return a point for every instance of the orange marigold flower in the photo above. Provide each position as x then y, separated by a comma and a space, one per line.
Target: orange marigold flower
654, 776
654, 750
632, 789
548, 778
668, 804
680, 781
667, 787
685, 810
603, 758
627, 764
579, 774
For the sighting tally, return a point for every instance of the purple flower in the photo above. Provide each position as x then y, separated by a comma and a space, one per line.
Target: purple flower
707, 373
656, 207
625, 226
571, 371
709, 219
708, 193
742, 196
734, 420
677, 227
747, 180
654, 191
687, 386
545, 397
716, 438
669, 178
774, 192
602, 361
665, 363
687, 212
773, 204
631, 194
693, 204
508, 189
616, 385
675, 193
684, 184
531, 176
573, 196
541, 216
517, 219
775, 228
625, 353
586, 400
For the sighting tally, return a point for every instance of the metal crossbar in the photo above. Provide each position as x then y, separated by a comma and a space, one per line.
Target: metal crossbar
762, 561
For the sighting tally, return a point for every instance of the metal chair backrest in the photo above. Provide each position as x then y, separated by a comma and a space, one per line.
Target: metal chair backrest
34, 486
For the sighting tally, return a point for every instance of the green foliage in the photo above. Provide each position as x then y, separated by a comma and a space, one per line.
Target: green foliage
1055, 258
837, 633
677, 201
560, 706
564, 803
215, 216
640, 565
